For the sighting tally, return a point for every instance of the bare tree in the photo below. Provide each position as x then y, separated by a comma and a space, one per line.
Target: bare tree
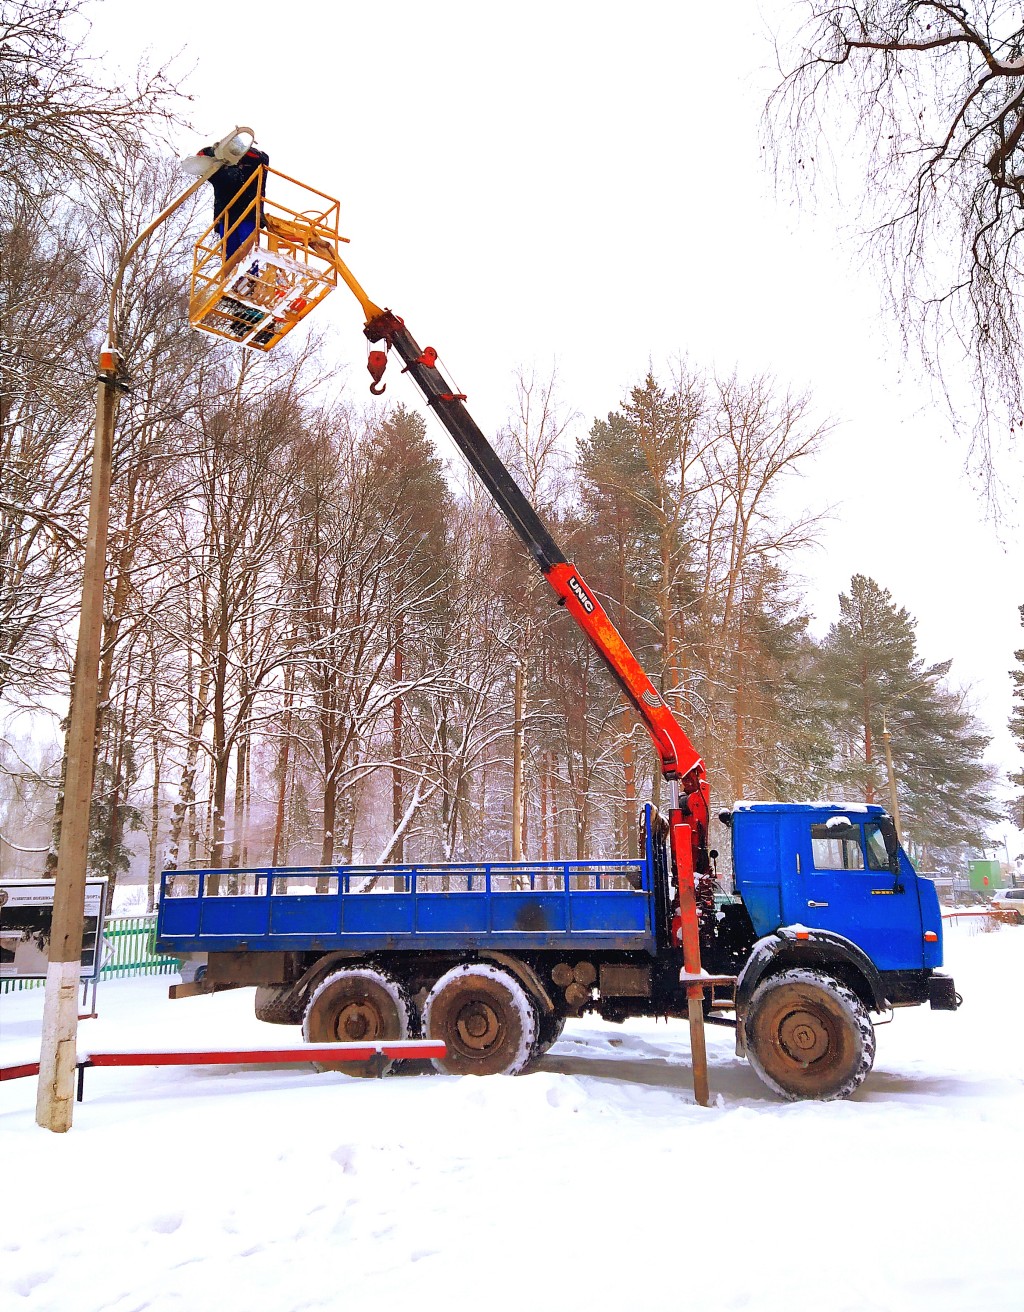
537, 438
61, 120
931, 96
47, 302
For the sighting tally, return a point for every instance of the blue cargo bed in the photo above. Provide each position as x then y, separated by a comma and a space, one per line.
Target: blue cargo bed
553, 904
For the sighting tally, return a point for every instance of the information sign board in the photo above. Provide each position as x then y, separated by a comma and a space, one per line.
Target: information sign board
26, 922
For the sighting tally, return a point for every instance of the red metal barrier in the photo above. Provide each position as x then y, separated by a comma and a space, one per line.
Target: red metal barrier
298, 1052
16, 1072
380, 1053
1006, 914
413, 1049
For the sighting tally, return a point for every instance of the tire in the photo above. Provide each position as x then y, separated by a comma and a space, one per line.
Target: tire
276, 1005
486, 1018
354, 1006
549, 1031
809, 1036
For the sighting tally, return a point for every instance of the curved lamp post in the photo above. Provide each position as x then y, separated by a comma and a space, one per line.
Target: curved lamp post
55, 1094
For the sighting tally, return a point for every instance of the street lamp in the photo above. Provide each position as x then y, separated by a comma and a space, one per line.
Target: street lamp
58, 1053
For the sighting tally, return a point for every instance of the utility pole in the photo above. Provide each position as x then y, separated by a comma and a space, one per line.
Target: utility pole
58, 1052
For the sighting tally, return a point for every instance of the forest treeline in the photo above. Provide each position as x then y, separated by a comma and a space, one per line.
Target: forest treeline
322, 645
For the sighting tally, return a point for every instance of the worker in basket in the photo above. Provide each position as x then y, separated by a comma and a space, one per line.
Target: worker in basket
235, 189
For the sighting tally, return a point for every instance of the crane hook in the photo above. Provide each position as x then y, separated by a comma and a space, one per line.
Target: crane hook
377, 362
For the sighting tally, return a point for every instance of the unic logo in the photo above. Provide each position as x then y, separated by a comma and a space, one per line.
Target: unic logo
580, 593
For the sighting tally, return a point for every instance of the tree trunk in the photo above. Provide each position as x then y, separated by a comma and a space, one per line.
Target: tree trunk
629, 785
398, 850
219, 790
154, 828
517, 763
282, 763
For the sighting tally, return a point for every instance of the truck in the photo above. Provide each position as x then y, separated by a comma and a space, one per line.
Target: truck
827, 929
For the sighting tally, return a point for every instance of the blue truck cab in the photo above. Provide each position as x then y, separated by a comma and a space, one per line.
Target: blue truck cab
838, 869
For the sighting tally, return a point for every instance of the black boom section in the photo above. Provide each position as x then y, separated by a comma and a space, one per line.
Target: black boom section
469, 439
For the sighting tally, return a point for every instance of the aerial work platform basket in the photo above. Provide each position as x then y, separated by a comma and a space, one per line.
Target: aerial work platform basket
283, 266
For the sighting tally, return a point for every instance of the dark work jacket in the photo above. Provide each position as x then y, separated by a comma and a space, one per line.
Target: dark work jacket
229, 179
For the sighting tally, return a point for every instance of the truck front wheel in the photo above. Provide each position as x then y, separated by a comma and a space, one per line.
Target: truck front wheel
809, 1035
486, 1019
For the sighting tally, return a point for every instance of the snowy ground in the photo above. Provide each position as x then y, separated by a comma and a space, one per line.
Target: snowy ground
594, 1183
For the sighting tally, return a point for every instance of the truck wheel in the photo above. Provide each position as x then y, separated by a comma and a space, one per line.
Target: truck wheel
276, 1005
809, 1036
549, 1031
359, 1005
486, 1018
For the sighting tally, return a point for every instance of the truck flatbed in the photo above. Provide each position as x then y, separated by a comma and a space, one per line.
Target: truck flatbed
495, 904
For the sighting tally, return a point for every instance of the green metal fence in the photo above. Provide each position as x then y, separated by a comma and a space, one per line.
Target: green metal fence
128, 950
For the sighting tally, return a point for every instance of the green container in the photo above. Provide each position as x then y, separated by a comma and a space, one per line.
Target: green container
985, 876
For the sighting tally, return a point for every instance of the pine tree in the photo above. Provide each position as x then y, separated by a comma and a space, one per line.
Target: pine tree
622, 537
415, 500
780, 746
872, 680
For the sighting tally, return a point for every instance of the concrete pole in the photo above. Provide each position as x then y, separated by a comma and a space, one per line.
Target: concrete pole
58, 1053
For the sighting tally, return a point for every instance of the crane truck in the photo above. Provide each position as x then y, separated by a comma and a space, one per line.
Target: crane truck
830, 926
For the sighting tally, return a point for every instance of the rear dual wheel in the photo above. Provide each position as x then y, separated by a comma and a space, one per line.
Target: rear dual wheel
485, 1017
357, 1006
549, 1031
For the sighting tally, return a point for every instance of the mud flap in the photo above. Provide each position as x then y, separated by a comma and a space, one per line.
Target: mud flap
942, 995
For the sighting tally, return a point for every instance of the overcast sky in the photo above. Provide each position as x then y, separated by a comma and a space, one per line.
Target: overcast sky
583, 185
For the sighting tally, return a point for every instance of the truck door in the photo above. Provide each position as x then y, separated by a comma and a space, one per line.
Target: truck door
849, 889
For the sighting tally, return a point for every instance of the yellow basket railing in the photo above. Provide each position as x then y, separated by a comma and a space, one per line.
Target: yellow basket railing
283, 270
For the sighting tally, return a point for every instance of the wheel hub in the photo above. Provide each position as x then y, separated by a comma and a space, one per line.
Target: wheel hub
357, 1021
477, 1026
804, 1037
